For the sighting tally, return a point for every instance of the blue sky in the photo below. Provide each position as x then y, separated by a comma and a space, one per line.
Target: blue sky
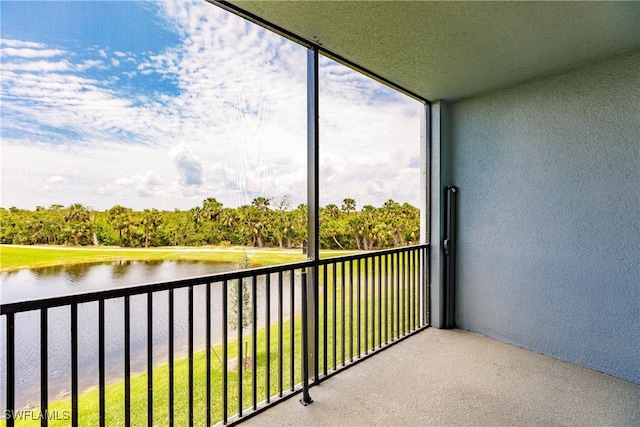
163, 104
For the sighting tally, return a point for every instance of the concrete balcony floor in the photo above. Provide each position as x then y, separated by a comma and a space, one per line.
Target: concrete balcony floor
454, 377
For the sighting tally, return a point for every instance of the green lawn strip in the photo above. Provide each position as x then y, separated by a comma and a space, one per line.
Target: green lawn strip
88, 402
18, 257
373, 316
14, 257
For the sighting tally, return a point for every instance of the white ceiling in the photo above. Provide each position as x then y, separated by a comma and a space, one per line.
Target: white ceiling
451, 50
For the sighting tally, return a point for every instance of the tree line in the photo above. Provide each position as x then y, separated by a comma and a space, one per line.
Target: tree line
263, 223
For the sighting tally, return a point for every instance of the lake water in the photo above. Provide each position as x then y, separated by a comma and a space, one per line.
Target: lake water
64, 280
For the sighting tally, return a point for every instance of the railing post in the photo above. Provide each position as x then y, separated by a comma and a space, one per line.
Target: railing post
306, 398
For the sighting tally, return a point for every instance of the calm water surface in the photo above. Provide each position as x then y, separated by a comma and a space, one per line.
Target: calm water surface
64, 280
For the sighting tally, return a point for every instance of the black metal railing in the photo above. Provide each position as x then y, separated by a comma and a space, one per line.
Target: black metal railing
268, 334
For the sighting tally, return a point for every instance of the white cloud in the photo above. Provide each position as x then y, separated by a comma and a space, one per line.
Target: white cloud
146, 185
55, 182
30, 53
38, 66
85, 65
188, 164
21, 44
56, 179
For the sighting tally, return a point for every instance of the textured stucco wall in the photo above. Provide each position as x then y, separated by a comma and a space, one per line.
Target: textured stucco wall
549, 214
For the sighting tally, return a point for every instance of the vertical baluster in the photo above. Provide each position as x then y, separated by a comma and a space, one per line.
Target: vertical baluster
386, 299
411, 323
416, 292
335, 315
127, 361
407, 293
150, 359
392, 293
359, 302
315, 279
421, 272
351, 309
325, 319
403, 292
11, 364
239, 344
292, 316
254, 341
380, 301
398, 296
74, 364
101, 361
280, 334
208, 352
267, 322
373, 302
225, 352
425, 286
44, 365
342, 308
366, 306
190, 354
170, 332
410, 290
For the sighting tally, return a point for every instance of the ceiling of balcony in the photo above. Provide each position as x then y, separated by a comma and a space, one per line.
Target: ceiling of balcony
453, 50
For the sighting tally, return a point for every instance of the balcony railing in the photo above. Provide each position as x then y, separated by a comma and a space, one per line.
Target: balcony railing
267, 334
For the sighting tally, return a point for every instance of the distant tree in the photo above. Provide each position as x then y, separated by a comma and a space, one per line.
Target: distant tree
240, 292
258, 216
281, 223
121, 220
78, 222
262, 223
348, 205
211, 208
151, 219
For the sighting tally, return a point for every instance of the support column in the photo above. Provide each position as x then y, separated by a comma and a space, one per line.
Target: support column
313, 218
439, 173
425, 203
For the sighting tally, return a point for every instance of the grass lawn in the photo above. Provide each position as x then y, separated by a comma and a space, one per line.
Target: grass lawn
88, 402
15, 257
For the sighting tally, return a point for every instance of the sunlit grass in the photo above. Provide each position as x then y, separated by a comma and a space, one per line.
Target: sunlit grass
88, 402
15, 257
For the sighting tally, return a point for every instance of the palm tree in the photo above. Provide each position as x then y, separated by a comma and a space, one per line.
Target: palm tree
120, 218
196, 215
331, 211
348, 205
211, 208
259, 218
261, 203
151, 220
77, 218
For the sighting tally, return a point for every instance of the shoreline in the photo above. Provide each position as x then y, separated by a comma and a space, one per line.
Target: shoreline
20, 257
